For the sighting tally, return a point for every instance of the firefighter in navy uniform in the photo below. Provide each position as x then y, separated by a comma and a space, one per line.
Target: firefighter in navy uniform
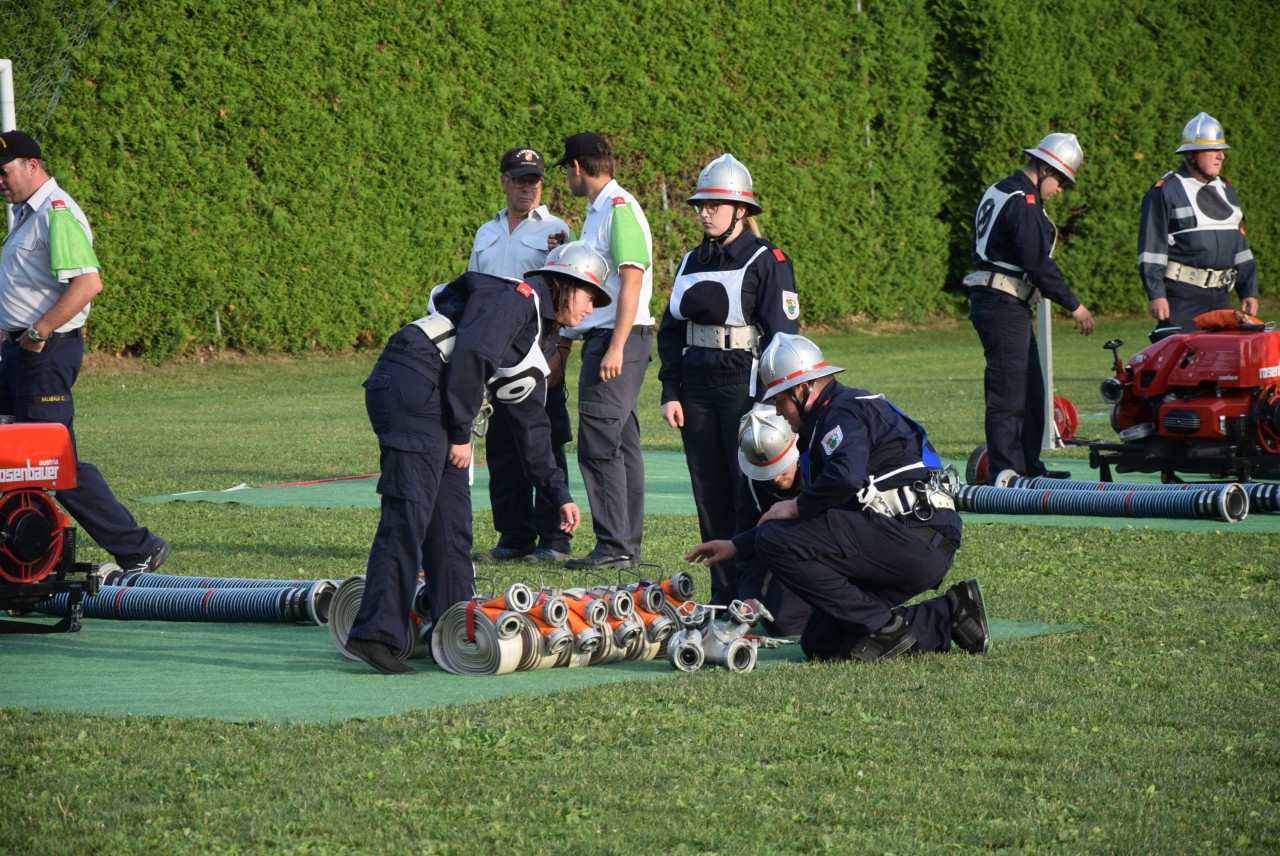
1013, 256
872, 529
1192, 248
729, 297
482, 334
769, 457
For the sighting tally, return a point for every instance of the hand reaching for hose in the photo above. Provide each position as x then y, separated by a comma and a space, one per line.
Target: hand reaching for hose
712, 552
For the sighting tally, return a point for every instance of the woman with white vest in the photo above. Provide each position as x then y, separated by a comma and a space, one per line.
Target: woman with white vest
731, 294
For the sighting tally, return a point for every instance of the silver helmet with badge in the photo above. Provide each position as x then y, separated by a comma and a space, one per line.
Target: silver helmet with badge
577, 260
1203, 134
791, 360
1062, 152
766, 443
725, 179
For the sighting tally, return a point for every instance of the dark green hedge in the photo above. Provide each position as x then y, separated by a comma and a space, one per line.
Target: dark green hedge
295, 175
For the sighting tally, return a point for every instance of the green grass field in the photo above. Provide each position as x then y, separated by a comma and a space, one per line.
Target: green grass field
1154, 730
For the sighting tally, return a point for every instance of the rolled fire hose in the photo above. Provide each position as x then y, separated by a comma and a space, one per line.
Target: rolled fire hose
342, 615
1229, 503
470, 639
1263, 498
318, 592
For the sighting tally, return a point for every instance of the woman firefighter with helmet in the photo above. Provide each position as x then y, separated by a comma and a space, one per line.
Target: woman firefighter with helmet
730, 296
481, 334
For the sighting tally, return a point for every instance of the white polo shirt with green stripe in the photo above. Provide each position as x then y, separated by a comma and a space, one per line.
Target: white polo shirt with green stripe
51, 246
617, 229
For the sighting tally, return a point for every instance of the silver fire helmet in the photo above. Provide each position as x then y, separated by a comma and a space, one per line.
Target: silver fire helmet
790, 360
1062, 152
727, 180
766, 443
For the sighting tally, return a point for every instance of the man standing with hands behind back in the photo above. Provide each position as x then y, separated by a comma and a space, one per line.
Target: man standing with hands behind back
48, 276
616, 344
515, 240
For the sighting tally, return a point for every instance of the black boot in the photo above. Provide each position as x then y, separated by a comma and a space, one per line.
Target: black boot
889, 641
969, 627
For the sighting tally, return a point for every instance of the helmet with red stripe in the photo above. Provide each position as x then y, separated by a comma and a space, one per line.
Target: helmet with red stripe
791, 360
576, 259
1062, 152
727, 180
766, 443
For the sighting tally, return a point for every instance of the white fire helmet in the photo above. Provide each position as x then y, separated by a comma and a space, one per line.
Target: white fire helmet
1203, 134
766, 443
790, 360
1062, 152
726, 179
576, 259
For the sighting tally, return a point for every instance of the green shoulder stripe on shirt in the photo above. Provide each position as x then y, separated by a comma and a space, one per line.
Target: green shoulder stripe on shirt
626, 239
69, 246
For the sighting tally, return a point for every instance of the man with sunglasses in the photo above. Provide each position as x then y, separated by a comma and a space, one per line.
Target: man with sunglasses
1014, 269
515, 240
48, 275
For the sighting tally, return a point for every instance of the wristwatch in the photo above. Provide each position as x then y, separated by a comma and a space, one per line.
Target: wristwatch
34, 335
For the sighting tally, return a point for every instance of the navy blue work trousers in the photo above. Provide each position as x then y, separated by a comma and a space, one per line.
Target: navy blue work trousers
1188, 301
1013, 384
524, 517
35, 386
855, 569
425, 525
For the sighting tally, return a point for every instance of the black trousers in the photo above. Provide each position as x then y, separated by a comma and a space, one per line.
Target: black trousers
1188, 301
523, 517
855, 569
35, 386
1013, 384
710, 438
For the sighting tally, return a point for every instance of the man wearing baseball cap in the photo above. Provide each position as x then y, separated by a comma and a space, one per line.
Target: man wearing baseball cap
48, 276
513, 241
615, 354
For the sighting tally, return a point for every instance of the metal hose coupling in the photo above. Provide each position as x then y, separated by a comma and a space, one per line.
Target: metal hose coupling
684, 650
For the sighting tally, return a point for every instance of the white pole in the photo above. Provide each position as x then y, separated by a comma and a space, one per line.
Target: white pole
1044, 333
8, 118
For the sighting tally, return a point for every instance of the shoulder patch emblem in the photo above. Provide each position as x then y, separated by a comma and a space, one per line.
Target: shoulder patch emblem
791, 305
832, 440
779, 255
619, 200
525, 289
1160, 183
1031, 199
57, 203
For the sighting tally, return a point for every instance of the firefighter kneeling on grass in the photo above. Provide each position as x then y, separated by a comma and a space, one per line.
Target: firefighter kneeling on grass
872, 527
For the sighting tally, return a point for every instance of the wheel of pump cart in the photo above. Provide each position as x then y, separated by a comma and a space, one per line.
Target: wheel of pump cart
1266, 416
1065, 418
976, 471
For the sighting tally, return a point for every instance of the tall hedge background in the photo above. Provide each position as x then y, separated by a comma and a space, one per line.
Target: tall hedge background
286, 176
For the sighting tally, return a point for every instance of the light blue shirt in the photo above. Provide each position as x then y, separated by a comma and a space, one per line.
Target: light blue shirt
499, 250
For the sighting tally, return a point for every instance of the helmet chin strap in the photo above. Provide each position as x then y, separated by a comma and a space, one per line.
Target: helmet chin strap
718, 240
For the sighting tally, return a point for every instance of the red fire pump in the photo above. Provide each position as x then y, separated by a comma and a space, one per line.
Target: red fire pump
1204, 402
37, 540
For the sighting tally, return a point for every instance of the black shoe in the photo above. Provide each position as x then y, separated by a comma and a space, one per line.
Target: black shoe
893, 639
147, 564
378, 655
597, 560
969, 627
546, 554
1057, 474
501, 554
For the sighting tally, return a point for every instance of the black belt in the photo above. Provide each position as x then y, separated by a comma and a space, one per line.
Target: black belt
608, 331
934, 537
15, 335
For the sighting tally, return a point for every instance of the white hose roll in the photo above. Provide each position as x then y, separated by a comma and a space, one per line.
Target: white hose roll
652, 598
659, 629
642, 649
555, 645
591, 608
621, 604
496, 649
343, 607
626, 631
